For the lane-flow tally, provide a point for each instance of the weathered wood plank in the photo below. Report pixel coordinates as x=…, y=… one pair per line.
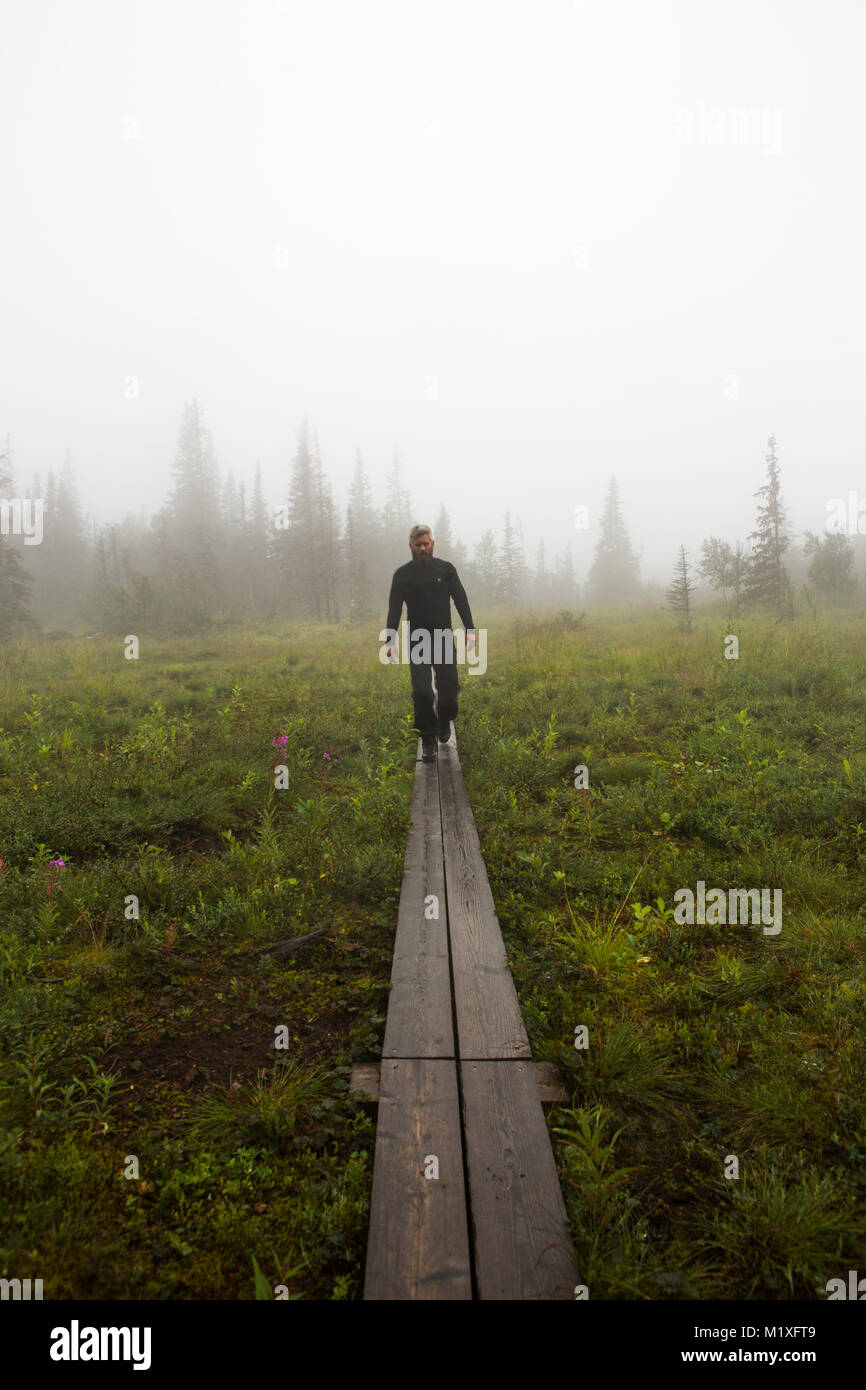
x=364, y=1081
x=418, y=1246
x=419, y=1022
x=489, y=1023
x=551, y=1089
x=519, y=1227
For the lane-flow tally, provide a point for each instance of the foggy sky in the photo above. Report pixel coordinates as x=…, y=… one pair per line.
x=528, y=244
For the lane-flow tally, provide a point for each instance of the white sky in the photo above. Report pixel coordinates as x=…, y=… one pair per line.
x=317, y=208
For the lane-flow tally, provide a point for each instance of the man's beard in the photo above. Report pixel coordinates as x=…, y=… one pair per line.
x=423, y=559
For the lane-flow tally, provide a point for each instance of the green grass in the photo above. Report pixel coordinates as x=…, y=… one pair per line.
x=141, y=1009
x=704, y=1041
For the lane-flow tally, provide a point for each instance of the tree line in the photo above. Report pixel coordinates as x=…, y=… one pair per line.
x=216, y=552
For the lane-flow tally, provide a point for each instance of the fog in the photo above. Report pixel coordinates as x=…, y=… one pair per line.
x=528, y=246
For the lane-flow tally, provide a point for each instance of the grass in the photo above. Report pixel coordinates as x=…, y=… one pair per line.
x=704, y=1042
x=146, y=951
x=141, y=1006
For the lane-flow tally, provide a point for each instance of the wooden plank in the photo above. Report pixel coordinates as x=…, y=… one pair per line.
x=364, y=1082
x=489, y=1023
x=520, y=1239
x=420, y=1018
x=418, y=1245
x=551, y=1090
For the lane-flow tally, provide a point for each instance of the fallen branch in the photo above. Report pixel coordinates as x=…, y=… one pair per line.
x=284, y=948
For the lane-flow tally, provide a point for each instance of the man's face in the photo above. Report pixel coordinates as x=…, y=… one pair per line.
x=422, y=549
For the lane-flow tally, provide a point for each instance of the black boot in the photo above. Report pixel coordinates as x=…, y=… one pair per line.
x=444, y=730
x=428, y=748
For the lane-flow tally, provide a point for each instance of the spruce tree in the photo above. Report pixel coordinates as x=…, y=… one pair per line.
x=397, y=511
x=484, y=572
x=190, y=528
x=564, y=586
x=442, y=535
x=459, y=557
x=325, y=544
x=61, y=563
x=296, y=542
x=679, y=596
x=15, y=584
x=511, y=569
x=261, y=547
x=361, y=547
x=767, y=581
x=541, y=578
x=614, y=572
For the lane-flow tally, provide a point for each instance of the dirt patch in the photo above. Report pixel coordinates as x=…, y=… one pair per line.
x=219, y=1056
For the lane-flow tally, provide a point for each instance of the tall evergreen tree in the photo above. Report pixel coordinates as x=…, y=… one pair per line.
x=767, y=581
x=325, y=544
x=361, y=546
x=229, y=503
x=191, y=529
x=564, y=586
x=297, y=540
x=679, y=595
x=261, y=548
x=60, y=565
x=459, y=556
x=14, y=582
x=484, y=573
x=511, y=568
x=613, y=575
x=397, y=511
x=541, y=577
x=442, y=535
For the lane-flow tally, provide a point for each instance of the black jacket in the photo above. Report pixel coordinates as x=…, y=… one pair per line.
x=427, y=591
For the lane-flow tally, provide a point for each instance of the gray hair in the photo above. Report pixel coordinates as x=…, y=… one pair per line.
x=420, y=531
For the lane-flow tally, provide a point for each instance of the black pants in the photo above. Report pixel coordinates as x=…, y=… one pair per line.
x=447, y=686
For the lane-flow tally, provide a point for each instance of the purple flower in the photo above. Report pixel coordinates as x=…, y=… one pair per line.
x=280, y=741
x=56, y=864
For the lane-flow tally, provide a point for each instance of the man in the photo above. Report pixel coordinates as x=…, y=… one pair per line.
x=427, y=586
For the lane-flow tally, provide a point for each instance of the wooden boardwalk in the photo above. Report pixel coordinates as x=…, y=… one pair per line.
x=466, y=1202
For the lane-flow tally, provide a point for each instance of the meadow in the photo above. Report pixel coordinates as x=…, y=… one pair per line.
x=192, y=957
